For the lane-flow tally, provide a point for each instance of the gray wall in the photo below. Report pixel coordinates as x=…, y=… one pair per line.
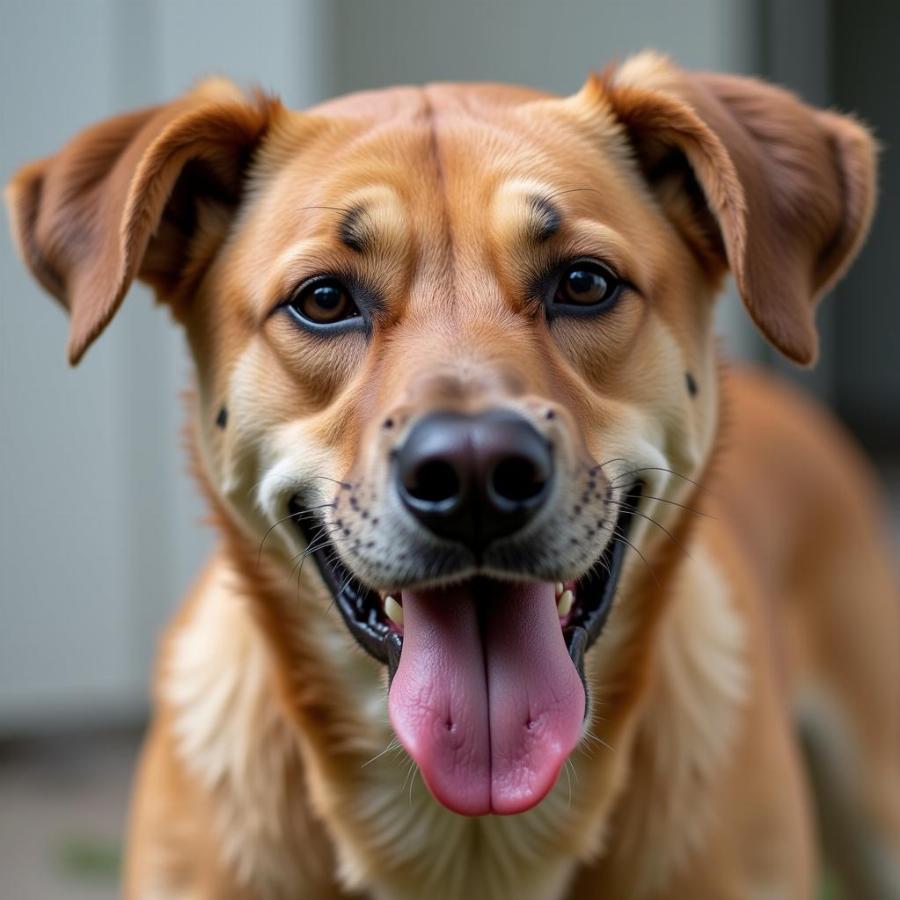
x=100, y=528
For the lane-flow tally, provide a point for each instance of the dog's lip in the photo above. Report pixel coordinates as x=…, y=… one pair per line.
x=362, y=608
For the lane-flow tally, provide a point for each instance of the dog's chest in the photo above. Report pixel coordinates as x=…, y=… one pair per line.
x=405, y=845
x=390, y=838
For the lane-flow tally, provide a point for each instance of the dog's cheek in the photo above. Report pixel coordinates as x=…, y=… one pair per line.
x=312, y=369
x=600, y=347
x=686, y=416
x=235, y=422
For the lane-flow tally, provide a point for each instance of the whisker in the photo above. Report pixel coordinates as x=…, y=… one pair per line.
x=597, y=740
x=574, y=190
x=347, y=581
x=622, y=475
x=619, y=477
x=689, y=509
x=268, y=531
x=341, y=209
x=410, y=775
x=321, y=538
x=599, y=466
x=635, y=512
x=298, y=482
x=619, y=536
x=296, y=516
x=393, y=744
x=316, y=544
x=311, y=515
x=343, y=484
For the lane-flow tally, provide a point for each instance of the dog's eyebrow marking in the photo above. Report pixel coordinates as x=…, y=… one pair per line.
x=545, y=218
x=354, y=231
x=222, y=417
x=692, y=387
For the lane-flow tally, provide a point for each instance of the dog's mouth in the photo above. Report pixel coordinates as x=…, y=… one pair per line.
x=487, y=689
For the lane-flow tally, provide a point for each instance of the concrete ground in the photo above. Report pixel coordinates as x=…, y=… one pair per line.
x=63, y=804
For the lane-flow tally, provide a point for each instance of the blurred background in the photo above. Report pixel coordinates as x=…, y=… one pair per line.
x=101, y=527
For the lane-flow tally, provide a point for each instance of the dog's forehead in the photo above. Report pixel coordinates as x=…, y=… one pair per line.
x=400, y=159
x=426, y=194
x=410, y=102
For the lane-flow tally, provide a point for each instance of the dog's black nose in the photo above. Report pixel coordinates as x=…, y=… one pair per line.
x=474, y=478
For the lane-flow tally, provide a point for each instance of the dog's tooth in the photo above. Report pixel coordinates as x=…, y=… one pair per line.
x=560, y=587
x=564, y=604
x=393, y=610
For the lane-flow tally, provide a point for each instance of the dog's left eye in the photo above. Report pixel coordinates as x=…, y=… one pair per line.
x=325, y=301
x=587, y=284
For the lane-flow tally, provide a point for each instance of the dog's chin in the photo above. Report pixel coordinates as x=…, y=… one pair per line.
x=487, y=690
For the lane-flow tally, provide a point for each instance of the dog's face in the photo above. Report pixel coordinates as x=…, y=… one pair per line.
x=457, y=342
x=454, y=370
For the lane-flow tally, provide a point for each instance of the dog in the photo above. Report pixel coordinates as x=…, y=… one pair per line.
x=520, y=590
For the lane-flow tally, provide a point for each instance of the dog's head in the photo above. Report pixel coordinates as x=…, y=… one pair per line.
x=458, y=340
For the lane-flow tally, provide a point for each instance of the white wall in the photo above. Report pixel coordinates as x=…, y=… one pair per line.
x=99, y=525
x=100, y=532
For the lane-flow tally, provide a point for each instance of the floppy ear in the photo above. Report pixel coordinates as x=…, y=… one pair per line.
x=139, y=195
x=781, y=192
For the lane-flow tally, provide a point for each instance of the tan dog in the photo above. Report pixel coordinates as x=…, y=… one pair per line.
x=454, y=344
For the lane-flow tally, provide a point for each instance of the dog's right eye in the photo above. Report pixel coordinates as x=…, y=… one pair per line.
x=588, y=285
x=323, y=302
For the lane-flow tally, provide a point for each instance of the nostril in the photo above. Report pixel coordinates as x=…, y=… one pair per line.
x=433, y=481
x=517, y=479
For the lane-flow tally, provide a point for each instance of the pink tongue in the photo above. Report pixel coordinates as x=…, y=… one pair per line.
x=486, y=699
